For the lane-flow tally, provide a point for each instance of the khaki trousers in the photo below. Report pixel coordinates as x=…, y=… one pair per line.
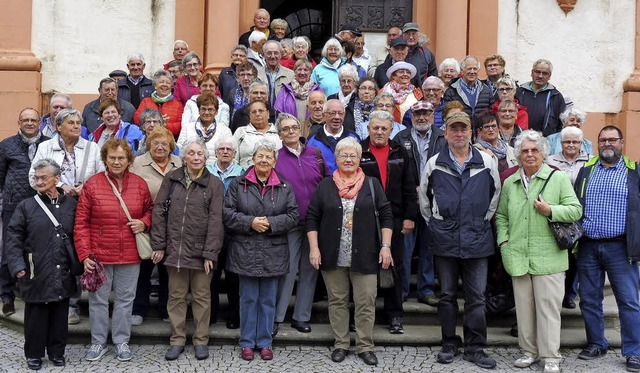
x=365, y=288
x=179, y=282
x=538, y=302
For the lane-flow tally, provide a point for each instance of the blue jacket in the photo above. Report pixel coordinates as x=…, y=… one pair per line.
x=130, y=132
x=327, y=146
x=437, y=117
x=236, y=170
x=458, y=208
x=327, y=76
x=632, y=230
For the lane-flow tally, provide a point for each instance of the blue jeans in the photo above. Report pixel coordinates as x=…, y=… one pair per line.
x=474, y=283
x=257, y=310
x=418, y=238
x=594, y=259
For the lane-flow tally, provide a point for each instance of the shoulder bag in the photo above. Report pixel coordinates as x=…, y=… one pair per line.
x=385, y=276
x=566, y=234
x=143, y=240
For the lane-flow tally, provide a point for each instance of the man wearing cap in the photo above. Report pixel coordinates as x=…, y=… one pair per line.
x=117, y=75
x=397, y=52
x=422, y=58
x=261, y=21
x=348, y=34
x=107, y=88
x=458, y=195
x=383, y=51
x=469, y=90
x=432, y=91
x=422, y=141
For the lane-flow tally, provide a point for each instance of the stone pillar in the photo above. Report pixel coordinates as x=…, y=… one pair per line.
x=247, y=10
x=451, y=30
x=424, y=14
x=20, y=79
x=190, y=24
x=221, y=33
x=629, y=117
x=483, y=31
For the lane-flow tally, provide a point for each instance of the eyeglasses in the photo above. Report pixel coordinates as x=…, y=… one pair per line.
x=261, y=157
x=28, y=120
x=223, y=150
x=158, y=144
x=490, y=127
x=422, y=113
x=493, y=65
x=348, y=156
x=571, y=142
x=192, y=65
x=505, y=89
x=611, y=141
x=530, y=151
x=385, y=106
x=347, y=81
x=541, y=73
x=152, y=121
x=290, y=129
x=245, y=75
x=431, y=90
x=44, y=178
x=509, y=111
x=335, y=113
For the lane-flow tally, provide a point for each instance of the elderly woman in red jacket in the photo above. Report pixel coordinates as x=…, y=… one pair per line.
x=102, y=229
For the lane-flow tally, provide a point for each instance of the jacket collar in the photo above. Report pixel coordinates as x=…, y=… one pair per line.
x=543, y=173
x=476, y=160
x=178, y=175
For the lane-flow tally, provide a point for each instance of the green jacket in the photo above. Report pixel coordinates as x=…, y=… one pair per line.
x=531, y=247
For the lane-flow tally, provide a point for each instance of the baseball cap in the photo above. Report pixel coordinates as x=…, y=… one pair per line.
x=410, y=26
x=458, y=118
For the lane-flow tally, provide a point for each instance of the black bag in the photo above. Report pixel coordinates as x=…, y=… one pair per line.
x=566, y=234
x=386, y=277
x=499, y=295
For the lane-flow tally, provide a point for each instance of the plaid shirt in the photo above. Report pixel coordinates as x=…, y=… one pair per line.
x=605, y=207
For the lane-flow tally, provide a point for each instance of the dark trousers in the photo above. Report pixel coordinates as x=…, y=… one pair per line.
x=393, y=296
x=474, y=283
x=571, y=279
x=232, y=288
x=45, y=326
x=7, y=283
x=143, y=289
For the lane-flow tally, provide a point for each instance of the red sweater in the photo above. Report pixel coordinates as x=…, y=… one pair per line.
x=173, y=109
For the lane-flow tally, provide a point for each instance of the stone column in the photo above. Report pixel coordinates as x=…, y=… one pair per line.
x=190, y=24
x=20, y=79
x=451, y=31
x=221, y=33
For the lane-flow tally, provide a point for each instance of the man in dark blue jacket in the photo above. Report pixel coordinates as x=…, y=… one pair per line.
x=543, y=101
x=458, y=196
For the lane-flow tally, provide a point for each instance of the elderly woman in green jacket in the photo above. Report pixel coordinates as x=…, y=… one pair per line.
x=529, y=250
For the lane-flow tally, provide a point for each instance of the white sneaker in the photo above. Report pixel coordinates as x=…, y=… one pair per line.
x=136, y=320
x=551, y=368
x=96, y=352
x=73, y=318
x=525, y=361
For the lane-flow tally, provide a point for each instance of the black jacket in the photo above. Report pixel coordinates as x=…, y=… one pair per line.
x=424, y=61
x=349, y=120
x=91, y=117
x=325, y=217
x=14, y=172
x=437, y=142
x=484, y=101
x=244, y=38
x=145, y=85
x=227, y=81
x=401, y=178
x=33, y=245
x=380, y=76
x=544, y=107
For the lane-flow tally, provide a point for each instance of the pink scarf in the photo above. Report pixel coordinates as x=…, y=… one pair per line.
x=348, y=189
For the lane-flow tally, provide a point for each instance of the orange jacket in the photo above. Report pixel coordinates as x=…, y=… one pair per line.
x=173, y=109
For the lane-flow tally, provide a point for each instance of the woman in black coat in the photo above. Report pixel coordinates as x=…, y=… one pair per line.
x=40, y=259
x=341, y=223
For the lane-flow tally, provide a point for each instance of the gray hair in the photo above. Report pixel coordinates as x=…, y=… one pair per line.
x=433, y=80
x=581, y=115
x=301, y=40
x=177, y=63
x=239, y=47
x=506, y=80
x=272, y=42
x=62, y=95
x=505, y=103
x=180, y=42
x=183, y=150
x=102, y=82
x=159, y=74
x=348, y=71
x=225, y=140
x=285, y=116
x=256, y=37
x=381, y=115
x=571, y=131
x=279, y=22
x=189, y=57
x=66, y=113
x=286, y=43
x=534, y=136
x=449, y=62
x=150, y=113
x=135, y=56
x=544, y=62
x=348, y=143
x=383, y=96
x=265, y=144
x=464, y=62
x=333, y=42
x=258, y=83
x=48, y=162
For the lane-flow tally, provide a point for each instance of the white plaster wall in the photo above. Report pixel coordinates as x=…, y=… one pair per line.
x=591, y=48
x=80, y=41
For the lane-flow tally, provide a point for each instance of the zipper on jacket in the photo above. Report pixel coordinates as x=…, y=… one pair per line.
x=184, y=212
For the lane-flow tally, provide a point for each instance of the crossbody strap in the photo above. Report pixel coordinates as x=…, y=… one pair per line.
x=53, y=219
x=375, y=209
x=547, y=181
x=83, y=168
x=117, y=193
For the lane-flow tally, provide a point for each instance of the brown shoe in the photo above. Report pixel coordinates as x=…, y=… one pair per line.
x=431, y=300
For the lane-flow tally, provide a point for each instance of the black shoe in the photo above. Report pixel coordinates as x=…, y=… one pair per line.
x=368, y=357
x=568, y=304
x=514, y=330
x=446, y=355
x=301, y=326
x=339, y=354
x=201, y=352
x=9, y=308
x=274, y=332
x=633, y=364
x=58, y=361
x=34, y=363
x=173, y=352
x=591, y=352
x=232, y=324
x=480, y=359
x=395, y=326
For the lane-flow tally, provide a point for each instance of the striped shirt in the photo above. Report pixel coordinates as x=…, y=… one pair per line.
x=605, y=206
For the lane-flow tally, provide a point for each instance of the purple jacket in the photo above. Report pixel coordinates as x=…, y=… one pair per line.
x=286, y=100
x=304, y=174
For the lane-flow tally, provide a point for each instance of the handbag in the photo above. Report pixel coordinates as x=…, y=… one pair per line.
x=143, y=240
x=92, y=281
x=566, y=234
x=75, y=267
x=386, y=277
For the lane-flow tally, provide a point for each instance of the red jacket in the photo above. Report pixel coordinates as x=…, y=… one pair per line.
x=101, y=224
x=522, y=120
x=183, y=89
x=173, y=109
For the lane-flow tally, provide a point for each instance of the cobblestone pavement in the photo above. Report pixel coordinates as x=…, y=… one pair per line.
x=226, y=358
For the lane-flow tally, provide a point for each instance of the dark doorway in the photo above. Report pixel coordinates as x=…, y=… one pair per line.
x=304, y=19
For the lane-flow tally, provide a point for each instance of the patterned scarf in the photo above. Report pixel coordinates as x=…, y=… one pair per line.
x=361, y=111
x=348, y=189
x=32, y=143
x=345, y=99
x=68, y=166
x=399, y=92
x=161, y=100
x=500, y=151
x=239, y=100
x=205, y=137
x=301, y=91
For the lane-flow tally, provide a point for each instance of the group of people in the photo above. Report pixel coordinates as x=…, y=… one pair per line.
x=282, y=167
